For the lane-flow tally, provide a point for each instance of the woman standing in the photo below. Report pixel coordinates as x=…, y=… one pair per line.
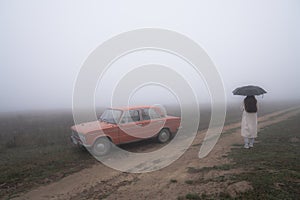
x=249, y=121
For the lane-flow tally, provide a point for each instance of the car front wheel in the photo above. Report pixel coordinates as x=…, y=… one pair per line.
x=101, y=147
x=164, y=136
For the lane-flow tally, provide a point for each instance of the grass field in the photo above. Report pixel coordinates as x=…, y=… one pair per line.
x=35, y=147
x=272, y=167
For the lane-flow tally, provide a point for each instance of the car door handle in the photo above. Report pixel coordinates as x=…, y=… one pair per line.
x=140, y=124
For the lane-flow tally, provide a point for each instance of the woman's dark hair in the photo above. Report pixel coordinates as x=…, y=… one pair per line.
x=250, y=104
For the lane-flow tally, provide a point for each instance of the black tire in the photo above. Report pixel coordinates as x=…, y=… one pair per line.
x=164, y=136
x=101, y=147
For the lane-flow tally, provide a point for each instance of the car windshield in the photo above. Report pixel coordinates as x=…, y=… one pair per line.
x=111, y=116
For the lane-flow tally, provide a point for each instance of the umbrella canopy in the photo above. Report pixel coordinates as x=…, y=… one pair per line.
x=249, y=90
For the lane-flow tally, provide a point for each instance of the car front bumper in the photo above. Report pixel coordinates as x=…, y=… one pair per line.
x=76, y=141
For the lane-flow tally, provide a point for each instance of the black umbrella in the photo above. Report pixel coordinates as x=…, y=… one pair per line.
x=249, y=90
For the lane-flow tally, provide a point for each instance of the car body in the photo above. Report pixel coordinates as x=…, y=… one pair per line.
x=125, y=125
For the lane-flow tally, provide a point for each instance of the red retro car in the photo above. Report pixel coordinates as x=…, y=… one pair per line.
x=124, y=125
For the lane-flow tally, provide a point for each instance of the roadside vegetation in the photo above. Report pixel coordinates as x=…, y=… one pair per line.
x=271, y=170
x=35, y=149
x=273, y=165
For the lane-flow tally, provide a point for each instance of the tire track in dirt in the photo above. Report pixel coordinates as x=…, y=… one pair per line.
x=100, y=181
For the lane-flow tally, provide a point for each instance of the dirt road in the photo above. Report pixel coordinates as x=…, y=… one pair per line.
x=100, y=181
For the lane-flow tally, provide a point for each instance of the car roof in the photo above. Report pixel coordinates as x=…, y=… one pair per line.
x=132, y=107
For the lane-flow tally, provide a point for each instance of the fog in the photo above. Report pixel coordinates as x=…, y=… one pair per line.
x=43, y=45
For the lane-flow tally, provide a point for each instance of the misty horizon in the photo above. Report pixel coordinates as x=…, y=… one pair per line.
x=250, y=43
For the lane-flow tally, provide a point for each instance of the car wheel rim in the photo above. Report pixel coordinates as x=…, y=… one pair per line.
x=164, y=136
x=100, y=148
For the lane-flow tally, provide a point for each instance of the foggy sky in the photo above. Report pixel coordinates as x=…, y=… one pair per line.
x=43, y=44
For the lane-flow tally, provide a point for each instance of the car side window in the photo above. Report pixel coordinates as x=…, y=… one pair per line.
x=130, y=116
x=153, y=114
x=135, y=115
x=150, y=113
x=145, y=114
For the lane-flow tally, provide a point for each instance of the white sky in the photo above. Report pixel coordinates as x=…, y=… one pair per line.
x=44, y=43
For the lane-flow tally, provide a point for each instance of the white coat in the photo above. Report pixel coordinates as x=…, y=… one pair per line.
x=249, y=125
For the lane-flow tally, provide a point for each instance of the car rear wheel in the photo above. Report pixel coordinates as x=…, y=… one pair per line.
x=101, y=147
x=164, y=136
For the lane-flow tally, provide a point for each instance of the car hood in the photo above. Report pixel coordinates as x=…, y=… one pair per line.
x=94, y=126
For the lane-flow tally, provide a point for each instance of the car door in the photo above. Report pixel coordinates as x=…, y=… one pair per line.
x=129, y=126
x=151, y=122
